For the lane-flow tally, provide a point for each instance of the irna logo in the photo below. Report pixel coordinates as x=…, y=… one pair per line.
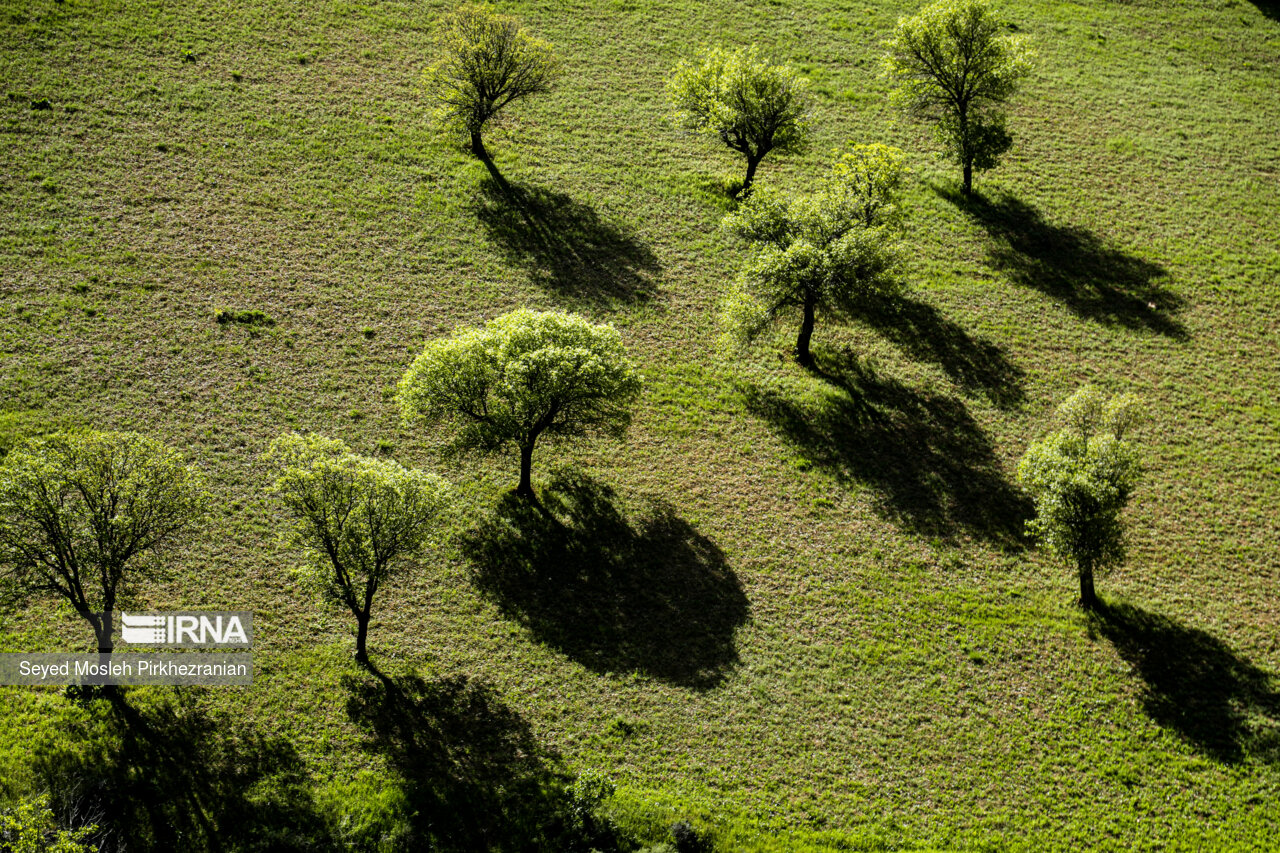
x=188, y=629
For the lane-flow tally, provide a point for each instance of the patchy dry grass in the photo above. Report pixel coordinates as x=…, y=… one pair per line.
x=864, y=652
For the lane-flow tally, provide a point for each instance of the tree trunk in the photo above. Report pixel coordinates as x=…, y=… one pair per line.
x=525, y=489
x=803, y=356
x=1088, y=598
x=102, y=632
x=477, y=146
x=752, y=163
x=362, y=633
x=966, y=151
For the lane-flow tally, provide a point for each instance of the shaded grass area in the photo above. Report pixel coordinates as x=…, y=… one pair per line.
x=580, y=258
x=1196, y=685
x=173, y=775
x=975, y=364
x=930, y=465
x=464, y=772
x=616, y=593
x=473, y=775
x=1074, y=266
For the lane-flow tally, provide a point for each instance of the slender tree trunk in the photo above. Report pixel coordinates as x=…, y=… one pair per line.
x=1088, y=598
x=102, y=632
x=752, y=163
x=803, y=355
x=525, y=489
x=968, y=175
x=477, y=146
x=966, y=151
x=362, y=634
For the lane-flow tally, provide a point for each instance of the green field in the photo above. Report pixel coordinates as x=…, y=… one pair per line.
x=798, y=612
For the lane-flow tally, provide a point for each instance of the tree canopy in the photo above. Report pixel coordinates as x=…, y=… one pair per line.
x=360, y=519
x=521, y=376
x=752, y=105
x=956, y=65
x=820, y=252
x=83, y=516
x=1080, y=478
x=485, y=62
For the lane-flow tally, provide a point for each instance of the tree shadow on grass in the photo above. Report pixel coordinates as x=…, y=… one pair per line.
x=172, y=776
x=617, y=594
x=475, y=776
x=931, y=466
x=1196, y=685
x=566, y=246
x=1270, y=8
x=1074, y=266
x=922, y=332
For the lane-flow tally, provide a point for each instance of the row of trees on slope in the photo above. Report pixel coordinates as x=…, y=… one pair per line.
x=953, y=64
x=86, y=516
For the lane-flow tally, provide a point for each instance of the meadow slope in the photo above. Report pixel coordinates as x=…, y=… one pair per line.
x=802, y=610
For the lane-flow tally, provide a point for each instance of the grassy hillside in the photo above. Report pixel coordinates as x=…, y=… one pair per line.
x=793, y=611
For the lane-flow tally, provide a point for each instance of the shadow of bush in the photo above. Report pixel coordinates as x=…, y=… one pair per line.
x=173, y=776
x=474, y=775
x=931, y=466
x=617, y=594
x=565, y=245
x=1195, y=685
x=1074, y=266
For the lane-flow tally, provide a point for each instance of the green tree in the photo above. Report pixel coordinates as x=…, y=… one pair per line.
x=1080, y=478
x=486, y=61
x=359, y=519
x=956, y=66
x=821, y=252
x=523, y=375
x=753, y=106
x=31, y=827
x=84, y=516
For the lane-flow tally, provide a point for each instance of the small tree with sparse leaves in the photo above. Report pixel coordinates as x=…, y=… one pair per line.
x=522, y=376
x=361, y=520
x=751, y=104
x=1080, y=478
x=486, y=61
x=824, y=252
x=956, y=65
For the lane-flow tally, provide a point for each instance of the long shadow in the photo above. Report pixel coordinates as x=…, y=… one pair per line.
x=1074, y=266
x=564, y=243
x=1270, y=8
x=475, y=776
x=930, y=465
x=175, y=777
x=617, y=594
x=1196, y=685
x=923, y=333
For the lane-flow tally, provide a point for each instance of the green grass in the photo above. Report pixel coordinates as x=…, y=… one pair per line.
x=849, y=646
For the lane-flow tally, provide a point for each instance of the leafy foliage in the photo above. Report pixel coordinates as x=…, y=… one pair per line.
x=487, y=61
x=523, y=375
x=955, y=66
x=30, y=827
x=824, y=251
x=1080, y=478
x=359, y=518
x=752, y=105
x=83, y=515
